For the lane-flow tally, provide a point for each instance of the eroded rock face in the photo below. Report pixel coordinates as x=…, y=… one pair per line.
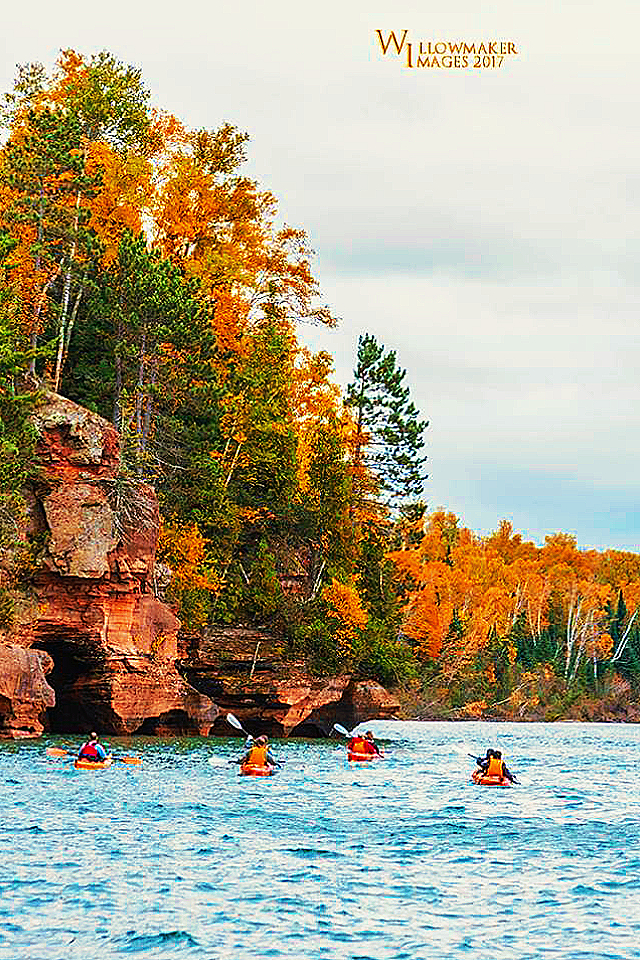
x=94, y=617
x=82, y=530
x=243, y=670
x=25, y=694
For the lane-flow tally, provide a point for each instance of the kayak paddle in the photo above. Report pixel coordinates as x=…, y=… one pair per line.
x=59, y=752
x=236, y=723
x=341, y=729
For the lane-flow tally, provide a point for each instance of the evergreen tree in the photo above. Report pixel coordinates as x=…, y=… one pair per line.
x=329, y=491
x=265, y=594
x=389, y=435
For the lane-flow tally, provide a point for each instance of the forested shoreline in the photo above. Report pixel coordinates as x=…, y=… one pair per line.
x=144, y=277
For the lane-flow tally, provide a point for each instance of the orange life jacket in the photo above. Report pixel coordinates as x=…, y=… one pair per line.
x=356, y=745
x=257, y=757
x=495, y=768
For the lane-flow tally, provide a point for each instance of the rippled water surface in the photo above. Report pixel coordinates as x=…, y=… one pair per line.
x=181, y=858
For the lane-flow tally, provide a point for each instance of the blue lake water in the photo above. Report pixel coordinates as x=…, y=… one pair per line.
x=401, y=860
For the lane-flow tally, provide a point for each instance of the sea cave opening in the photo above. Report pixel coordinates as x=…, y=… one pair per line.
x=75, y=709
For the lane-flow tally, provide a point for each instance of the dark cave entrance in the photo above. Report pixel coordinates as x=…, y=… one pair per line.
x=173, y=723
x=75, y=710
x=311, y=731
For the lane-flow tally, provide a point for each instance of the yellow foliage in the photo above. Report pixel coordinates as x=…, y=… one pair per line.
x=182, y=547
x=474, y=709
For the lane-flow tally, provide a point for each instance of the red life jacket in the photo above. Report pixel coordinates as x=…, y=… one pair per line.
x=89, y=750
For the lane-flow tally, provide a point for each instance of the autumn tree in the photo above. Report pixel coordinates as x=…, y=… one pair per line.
x=61, y=128
x=145, y=276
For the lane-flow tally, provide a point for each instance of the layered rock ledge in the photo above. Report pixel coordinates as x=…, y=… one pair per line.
x=243, y=670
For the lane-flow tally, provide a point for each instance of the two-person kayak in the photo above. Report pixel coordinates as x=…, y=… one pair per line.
x=257, y=760
x=486, y=781
x=362, y=748
x=257, y=770
x=492, y=770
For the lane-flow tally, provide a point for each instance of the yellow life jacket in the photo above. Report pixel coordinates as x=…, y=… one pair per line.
x=257, y=757
x=495, y=768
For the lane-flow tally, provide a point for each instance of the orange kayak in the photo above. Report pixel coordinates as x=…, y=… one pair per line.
x=251, y=770
x=478, y=777
x=362, y=757
x=93, y=764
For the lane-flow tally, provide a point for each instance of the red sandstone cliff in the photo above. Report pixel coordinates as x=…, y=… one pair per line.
x=112, y=644
x=94, y=646
x=24, y=691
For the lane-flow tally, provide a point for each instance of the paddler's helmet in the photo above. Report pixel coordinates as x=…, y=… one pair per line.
x=368, y=735
x=262, y=741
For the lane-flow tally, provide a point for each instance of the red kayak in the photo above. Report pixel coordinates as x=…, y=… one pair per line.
x=478, y=777
x=251, y=770
x=363, y=757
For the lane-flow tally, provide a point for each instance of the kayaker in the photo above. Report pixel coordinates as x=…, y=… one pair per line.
x=483, y=762
x=370, y=746
x=496, y=767
x=356, y=744
x=258, y=755
x=92, y=750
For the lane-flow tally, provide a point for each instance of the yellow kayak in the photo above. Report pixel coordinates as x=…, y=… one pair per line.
x=81, y=764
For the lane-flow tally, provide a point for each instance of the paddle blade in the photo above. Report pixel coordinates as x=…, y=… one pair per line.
x=129, y=759
x=57, y=752
x=341, y=729
x=234, y=722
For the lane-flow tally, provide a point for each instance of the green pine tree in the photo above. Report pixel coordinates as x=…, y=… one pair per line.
x=389, y=437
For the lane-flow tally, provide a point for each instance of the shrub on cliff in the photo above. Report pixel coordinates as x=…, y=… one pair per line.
x=264, y=593
x=333, y=642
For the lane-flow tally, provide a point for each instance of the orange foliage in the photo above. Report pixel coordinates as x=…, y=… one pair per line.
x=346, y=607
x=313, y=395
x=428, y=622
x=631, y=595
x=219, y=228
x=125, y=186
x=313, y=399
x=494, y=581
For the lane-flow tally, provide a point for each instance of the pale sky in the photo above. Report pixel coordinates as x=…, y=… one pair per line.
x=482, y=223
